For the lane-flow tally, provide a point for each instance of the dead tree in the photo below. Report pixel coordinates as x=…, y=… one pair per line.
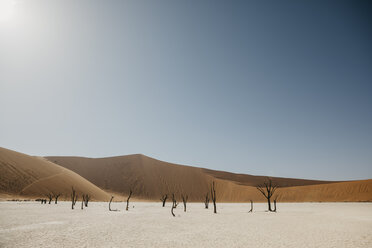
x=73, y=198
x=112, y=197
x=86, y=198
x=275, y=204
x=206, y=202
x=82, y=202
x=56, y=197
x=174, y=204
x=251, y=211
x=213, y=195
x=184, y=200
x=130, y=194
x=163, y=199
x=268, y=189
x=50, y=197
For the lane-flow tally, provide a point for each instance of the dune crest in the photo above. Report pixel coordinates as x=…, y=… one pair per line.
x=30, y=176
x=150, y=178
x=24, y=175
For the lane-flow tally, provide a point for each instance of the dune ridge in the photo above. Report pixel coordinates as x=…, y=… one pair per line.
x=150, y=178
x=29, y=176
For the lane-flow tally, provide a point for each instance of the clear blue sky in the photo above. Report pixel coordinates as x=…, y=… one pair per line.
x=279, y=88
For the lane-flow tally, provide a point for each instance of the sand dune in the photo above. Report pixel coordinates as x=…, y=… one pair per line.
x=149, y=178
x=28, y=176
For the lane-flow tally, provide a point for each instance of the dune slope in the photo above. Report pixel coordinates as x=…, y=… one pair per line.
x=150, y=178
x=24, y=175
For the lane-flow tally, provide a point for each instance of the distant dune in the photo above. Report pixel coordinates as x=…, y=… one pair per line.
x=149, y=178
x=27, y=176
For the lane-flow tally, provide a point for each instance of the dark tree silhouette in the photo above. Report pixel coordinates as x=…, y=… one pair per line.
x=184, y=200
x=163, y=199
x=213, y=195
x=174, y=204
x=50, y=197
x=251, y=211
x=56, y=197
x=206, y=201
x=82, y=201
x=130, y=194
x=73, y=198
x=112, y=197
x=275, y=204
x=268, y=189
x=86, y=199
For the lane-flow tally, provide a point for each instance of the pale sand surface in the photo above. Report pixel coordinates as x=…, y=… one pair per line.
x=30, y=224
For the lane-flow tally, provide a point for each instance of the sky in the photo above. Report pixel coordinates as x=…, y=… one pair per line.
x=278, y=88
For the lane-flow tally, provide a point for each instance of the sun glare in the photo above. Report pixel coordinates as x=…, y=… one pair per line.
x=6, y=10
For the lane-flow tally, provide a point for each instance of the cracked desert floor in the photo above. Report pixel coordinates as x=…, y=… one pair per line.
x=146, y=224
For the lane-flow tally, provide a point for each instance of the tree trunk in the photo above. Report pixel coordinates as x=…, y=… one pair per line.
x=206, y=202
x=172, y=211
x=269, y=204
x=213, y=195
x=110, y=203
x=130, y=194
x=164, y=199
x=174, y=204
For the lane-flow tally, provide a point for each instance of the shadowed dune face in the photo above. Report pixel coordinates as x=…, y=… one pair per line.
x=149, y=178
x=25, y=175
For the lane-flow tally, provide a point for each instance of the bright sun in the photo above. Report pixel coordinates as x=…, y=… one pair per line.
x=6, y=9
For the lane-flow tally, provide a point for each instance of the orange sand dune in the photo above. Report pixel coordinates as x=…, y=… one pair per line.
x=149, y=178
x=29, y=176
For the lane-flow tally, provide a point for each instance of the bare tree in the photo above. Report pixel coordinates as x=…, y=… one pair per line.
x=184, y=200
x=50, y=197
x=130, y=194
x=73, y=198
x=275, y=204
x=82, y=201
x=163, y=199
x=213, y=195
x=112, y=197
x=86, y=199
x=56, y=197
x=174, y=204
x=268, y=189
x=206, y=202
x=251, y=211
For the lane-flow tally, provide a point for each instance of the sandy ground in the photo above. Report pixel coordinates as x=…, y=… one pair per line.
x=30, y=224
